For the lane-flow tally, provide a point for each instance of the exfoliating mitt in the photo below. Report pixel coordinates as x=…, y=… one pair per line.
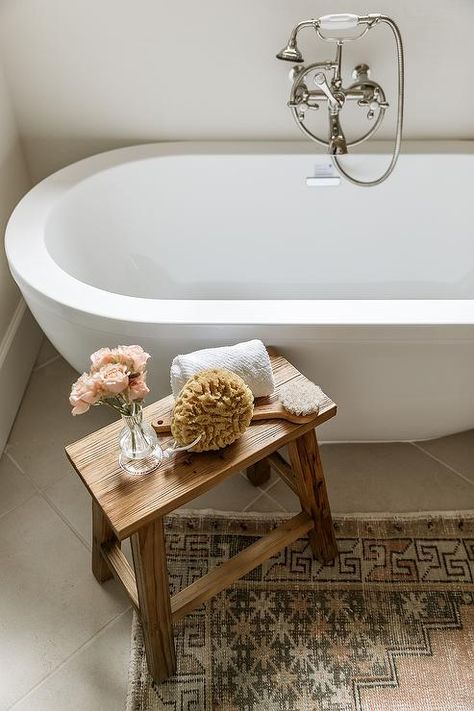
x=215, y=404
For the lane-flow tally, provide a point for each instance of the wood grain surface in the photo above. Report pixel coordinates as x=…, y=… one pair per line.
x=129, y=502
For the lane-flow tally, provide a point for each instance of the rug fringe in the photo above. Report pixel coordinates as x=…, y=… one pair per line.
x=372, y=516
x=134, y=680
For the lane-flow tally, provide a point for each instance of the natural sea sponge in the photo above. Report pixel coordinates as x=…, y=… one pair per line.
x=215, y=403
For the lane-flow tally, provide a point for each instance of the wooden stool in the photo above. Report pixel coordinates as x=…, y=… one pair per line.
x=125, y=506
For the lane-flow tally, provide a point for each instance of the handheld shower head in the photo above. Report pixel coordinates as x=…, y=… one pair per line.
x=290, y=53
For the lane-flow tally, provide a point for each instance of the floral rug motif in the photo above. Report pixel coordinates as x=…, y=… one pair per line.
x=388, y=626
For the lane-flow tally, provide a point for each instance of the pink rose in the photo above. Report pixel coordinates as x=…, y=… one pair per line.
x=85, y=392
x=114, y=378
x=102, y=357
x=138, y=388
x=132, y=356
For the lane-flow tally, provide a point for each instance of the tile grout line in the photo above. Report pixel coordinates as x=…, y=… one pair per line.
x=18, y=506
x=42, y=493
x=262, y=491
x=270, y=486
x=257, y=488
x=440, y=461
x=283, y=508
x=77, y=651
x=273, y=484
x=251, y=503
x=46, y=363
x=65, y=520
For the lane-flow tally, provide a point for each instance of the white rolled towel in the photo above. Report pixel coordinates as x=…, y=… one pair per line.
x=250, y=360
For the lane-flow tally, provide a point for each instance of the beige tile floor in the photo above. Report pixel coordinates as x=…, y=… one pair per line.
x=64, y=639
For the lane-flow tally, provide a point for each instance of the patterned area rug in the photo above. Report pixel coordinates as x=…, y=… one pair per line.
x=389, y=626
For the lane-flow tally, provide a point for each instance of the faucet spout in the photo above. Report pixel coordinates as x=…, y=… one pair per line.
x=337, y=140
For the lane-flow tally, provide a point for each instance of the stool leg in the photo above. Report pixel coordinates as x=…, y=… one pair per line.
x=259, y=473
x=149, y=560
x=308, y=470
x=101, y=533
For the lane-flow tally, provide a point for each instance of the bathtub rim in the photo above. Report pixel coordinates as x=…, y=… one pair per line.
x=34, y=269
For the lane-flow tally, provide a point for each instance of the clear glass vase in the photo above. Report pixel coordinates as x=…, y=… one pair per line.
x=140, y=452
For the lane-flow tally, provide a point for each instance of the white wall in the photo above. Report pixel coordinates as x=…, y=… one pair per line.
x=13, y=183
x=19, y=334
x=89, y=75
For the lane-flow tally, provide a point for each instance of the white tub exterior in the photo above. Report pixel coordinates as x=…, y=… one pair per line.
x=370, y=292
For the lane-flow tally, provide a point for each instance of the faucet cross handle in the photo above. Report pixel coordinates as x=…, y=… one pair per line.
x=374, y=106
x=302, y=101
x=374, y=101
x=336, y=101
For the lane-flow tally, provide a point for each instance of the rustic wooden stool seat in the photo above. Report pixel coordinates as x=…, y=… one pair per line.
x=126, y=506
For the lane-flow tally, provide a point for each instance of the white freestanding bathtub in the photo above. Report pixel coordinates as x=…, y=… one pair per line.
x=188, y=245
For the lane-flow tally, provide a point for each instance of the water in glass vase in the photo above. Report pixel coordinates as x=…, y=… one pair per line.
x=140, y=452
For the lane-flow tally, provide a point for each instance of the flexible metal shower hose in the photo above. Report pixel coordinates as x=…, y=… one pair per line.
x=398, y=138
